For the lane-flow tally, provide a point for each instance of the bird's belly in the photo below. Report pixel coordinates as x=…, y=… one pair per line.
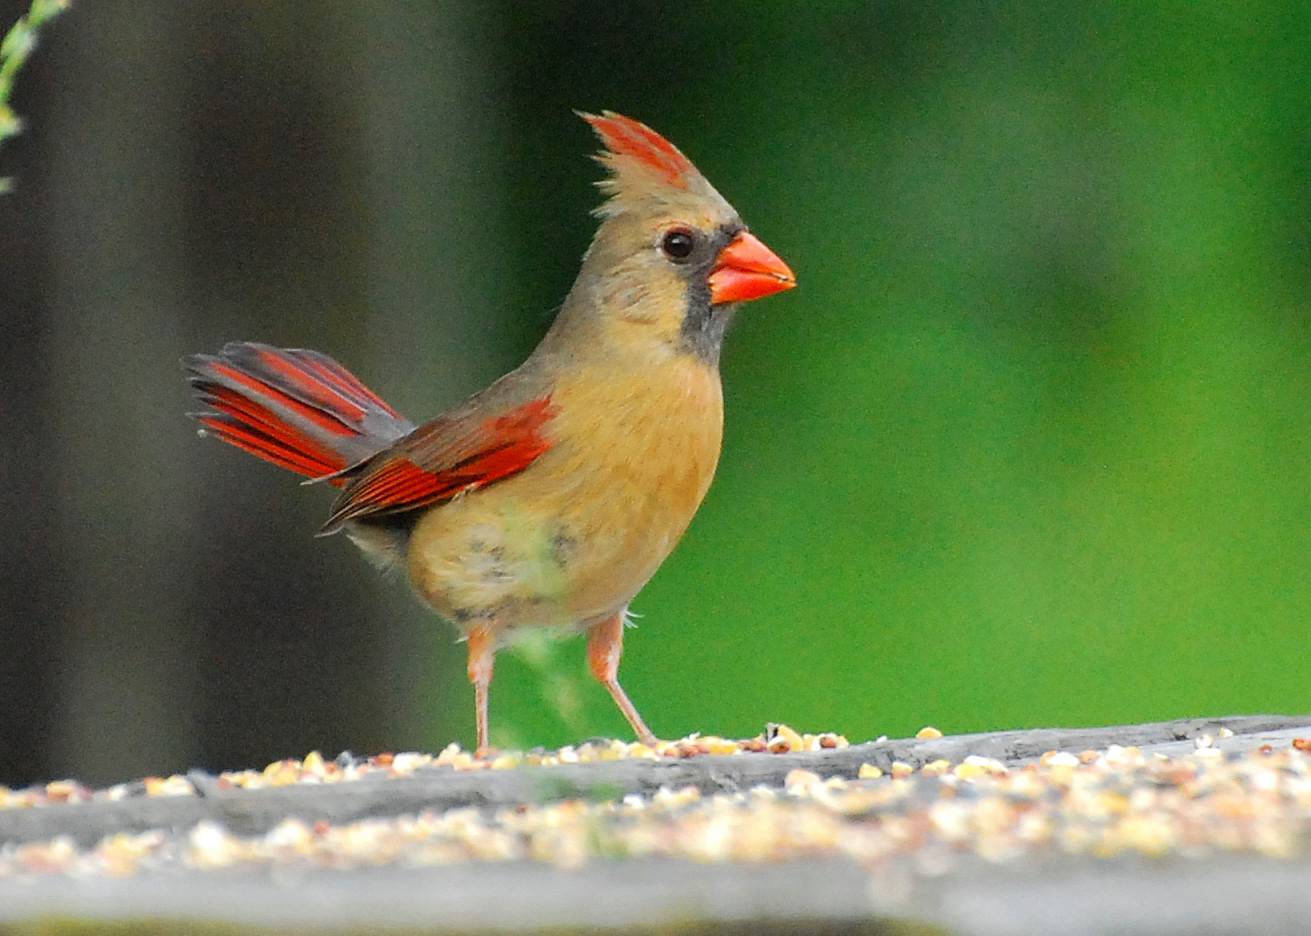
x=510, y=562
x=571, y=539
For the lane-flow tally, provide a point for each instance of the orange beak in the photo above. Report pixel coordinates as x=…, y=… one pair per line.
x=747, y=270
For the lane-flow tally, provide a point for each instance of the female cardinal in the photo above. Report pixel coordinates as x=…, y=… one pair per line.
x=551, y=497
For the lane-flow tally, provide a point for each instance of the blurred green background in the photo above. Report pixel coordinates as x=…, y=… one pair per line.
x=1030, y=444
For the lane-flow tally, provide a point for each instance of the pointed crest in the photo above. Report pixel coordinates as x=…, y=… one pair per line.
x=640, y=161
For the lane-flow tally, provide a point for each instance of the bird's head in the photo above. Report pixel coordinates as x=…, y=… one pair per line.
x=671, y=259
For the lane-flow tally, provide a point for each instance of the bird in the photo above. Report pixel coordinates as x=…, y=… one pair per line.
x=551, y=497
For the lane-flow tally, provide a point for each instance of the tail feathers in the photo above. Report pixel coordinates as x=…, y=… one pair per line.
x=298, y=409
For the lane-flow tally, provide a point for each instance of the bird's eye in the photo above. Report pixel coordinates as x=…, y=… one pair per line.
x=677, y=244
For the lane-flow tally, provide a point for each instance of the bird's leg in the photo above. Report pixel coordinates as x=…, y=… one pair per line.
x=605, y=643
x=482, y=655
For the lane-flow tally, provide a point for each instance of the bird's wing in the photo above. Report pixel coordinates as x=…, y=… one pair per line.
x=462, y=451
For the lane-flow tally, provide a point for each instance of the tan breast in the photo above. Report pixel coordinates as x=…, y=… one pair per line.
x=578, y=533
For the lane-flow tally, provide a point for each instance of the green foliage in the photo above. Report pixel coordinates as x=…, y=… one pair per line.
x=1030, y=442
x=557, y=676
x=15, y=48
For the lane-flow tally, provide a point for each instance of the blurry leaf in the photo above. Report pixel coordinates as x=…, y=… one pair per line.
x=16, y=46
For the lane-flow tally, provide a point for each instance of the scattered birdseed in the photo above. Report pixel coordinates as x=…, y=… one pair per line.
x=314, y=768
x=975, y=766
x=1120, y=802
x=801, y=782
x=928, y=733
x=175, y=785
x=936, y=768
x=780, y=739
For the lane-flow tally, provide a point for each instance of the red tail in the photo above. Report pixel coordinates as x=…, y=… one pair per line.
x=298, y=409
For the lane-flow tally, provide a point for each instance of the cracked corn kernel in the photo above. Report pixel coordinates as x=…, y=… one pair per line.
x=900, y=769
x=53, y=857
x=935, y=768
x=776, y=732
x=64, y=791
x=175, y=785
x=928, y=733
x=716, y=745
x=291, y=837
x=800, y=781
x=210, y=846
x=282, y=773
x=121, y=854
x=408, y=762
x=969, y=771
x=669, y=798
x=974, y=766
x=593, y=752
x=869, y=772
x=989, y=764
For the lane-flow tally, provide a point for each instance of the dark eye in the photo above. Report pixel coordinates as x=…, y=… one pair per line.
x=678, y=244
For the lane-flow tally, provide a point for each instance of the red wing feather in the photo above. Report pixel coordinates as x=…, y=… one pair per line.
x=282, y=397
x=259, y=418
x=258, y=443
x=443, y=459
x=300, y=410
x=347, y=385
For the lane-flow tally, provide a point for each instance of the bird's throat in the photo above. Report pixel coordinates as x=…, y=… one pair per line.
x=704, y=325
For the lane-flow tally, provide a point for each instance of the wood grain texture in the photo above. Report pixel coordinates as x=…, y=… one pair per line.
x=256, y=811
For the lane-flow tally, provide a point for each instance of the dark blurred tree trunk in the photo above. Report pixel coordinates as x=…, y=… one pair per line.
x=296, y=174
x=125, y=691
x=32, y=567
x=435, y=256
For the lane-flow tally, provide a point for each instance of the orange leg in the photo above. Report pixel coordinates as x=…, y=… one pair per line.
x=482, y=656
x=605, y=644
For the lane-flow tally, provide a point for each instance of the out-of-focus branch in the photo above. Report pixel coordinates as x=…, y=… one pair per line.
x=14, y=51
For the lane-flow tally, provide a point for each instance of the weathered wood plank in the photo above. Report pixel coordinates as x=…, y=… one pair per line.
x=256, y=811
x=1043, y=892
